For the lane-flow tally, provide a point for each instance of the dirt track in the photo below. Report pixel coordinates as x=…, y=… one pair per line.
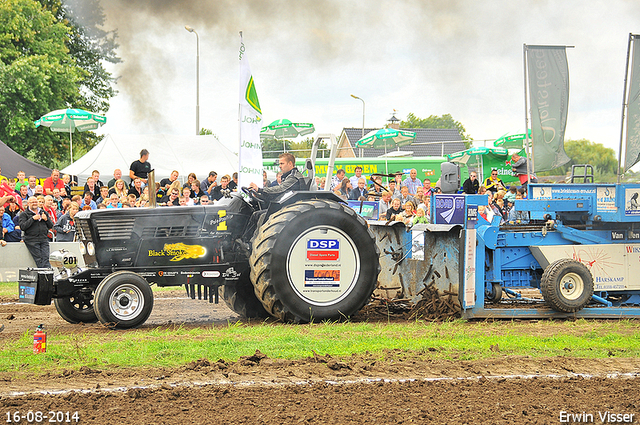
x=404, y=388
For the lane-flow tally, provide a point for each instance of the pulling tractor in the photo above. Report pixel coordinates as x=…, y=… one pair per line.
x=304, y=256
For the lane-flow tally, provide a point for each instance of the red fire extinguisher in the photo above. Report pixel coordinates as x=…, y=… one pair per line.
x=40, y=340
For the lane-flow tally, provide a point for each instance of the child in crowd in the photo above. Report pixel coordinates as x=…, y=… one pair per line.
x=420, y=217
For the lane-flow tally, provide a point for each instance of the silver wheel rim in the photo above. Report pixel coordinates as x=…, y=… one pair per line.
x=571, y=286
x=126, y=302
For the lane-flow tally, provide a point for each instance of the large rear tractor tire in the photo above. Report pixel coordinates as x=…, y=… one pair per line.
x=78, y=308
x=241, y=298
x=314, y=260
x=123, y=300
x=567, y=285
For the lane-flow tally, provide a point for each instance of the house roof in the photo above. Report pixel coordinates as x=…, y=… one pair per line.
x=429, y=142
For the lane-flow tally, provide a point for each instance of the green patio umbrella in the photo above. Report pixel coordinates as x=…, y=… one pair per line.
x=494, y=158
x=285, y=129
x=386, y=138
x=512, y=141
x=70, y=120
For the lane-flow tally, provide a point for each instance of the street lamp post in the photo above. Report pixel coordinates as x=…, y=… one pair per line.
x=356, y=97
x=188, y=28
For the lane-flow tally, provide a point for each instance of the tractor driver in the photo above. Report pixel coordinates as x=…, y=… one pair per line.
x=292, y=179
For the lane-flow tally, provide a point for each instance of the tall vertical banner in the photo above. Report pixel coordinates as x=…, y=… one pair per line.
x=250, y=119
x=632, y=149
x=548, y=73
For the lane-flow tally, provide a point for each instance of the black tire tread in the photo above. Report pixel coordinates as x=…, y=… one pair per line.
x=549, y=288
x=68, y=312
x=119, y=325
x=241, y=299
x=266, y=239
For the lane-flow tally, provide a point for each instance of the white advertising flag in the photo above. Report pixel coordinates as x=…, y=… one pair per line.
x=250, y=119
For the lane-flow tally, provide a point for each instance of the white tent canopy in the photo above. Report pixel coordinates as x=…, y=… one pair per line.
x=186, y=154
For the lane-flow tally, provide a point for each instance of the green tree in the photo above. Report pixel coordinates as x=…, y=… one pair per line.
x=434, y=121
x=271, y=148
x=583, y=151
x=37, y=75
x=51, y=58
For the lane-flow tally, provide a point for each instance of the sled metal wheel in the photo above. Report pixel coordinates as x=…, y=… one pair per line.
x=567, y=285
x=123, y=300
x=495, y=294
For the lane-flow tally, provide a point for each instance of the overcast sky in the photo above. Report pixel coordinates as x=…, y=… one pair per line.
x=428, y=57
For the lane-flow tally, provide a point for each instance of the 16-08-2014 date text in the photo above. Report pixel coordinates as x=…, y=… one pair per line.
x=32, y=416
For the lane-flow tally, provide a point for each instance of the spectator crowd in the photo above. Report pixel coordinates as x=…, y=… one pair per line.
x=55, y=203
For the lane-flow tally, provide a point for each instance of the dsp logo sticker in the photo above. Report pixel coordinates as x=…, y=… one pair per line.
x=323, y=249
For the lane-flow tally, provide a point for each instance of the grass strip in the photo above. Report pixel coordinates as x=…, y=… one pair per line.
x=457, y=340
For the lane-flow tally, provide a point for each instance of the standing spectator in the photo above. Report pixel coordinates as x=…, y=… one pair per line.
x=426, y=184
x=337, y=179
x=57, y=198
x=405, y=196
x=278, y=179
x=117, y=175
x=21, y=180
x=35, y=225
x=33, y=181
x=493, y=183
x=65, y=226
x=88, y=201
x=140, y=168
x=471, y=185
x=7, y=223
x=412, y=181
x=165, y=183
x=519, y=167
x=359, y=191
x=53, y=182
x=385, y=204
x=354, y=179
x=393, y=188
x=66, y=178
x=136, y=188
x=90, y=186
x=209, y=183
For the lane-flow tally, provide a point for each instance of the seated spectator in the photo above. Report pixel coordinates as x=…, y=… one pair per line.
x=38, y=191
x=21, y=180
x=172, y=199
x=65, y=226
x=233, y=183
x=31, y=190
x=51, y=208
x=190, y=179
x=57, y=198
x=385, y=204
x=120, y=188
x=420, y=217
x=359, y=191
x=117, y=175
x=184, y=201
x=405, y=196
x=407, y=214
x=518, y=217
x=186, y=192
x=88, y=201
x=396, y=208
x=204, y=200
x=136, y=188
x=131, y=200
x=104, y=195
x=278, y=179
x=207, y=185
x=343, y=189
x=101, y=206
x=16, y=234
x=222, y=189
x=165, y=183
x=114, y=201
x=143, y=201
x=196, y=191
x=510, y=196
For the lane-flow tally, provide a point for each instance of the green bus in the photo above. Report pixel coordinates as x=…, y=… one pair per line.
x=427, y=167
